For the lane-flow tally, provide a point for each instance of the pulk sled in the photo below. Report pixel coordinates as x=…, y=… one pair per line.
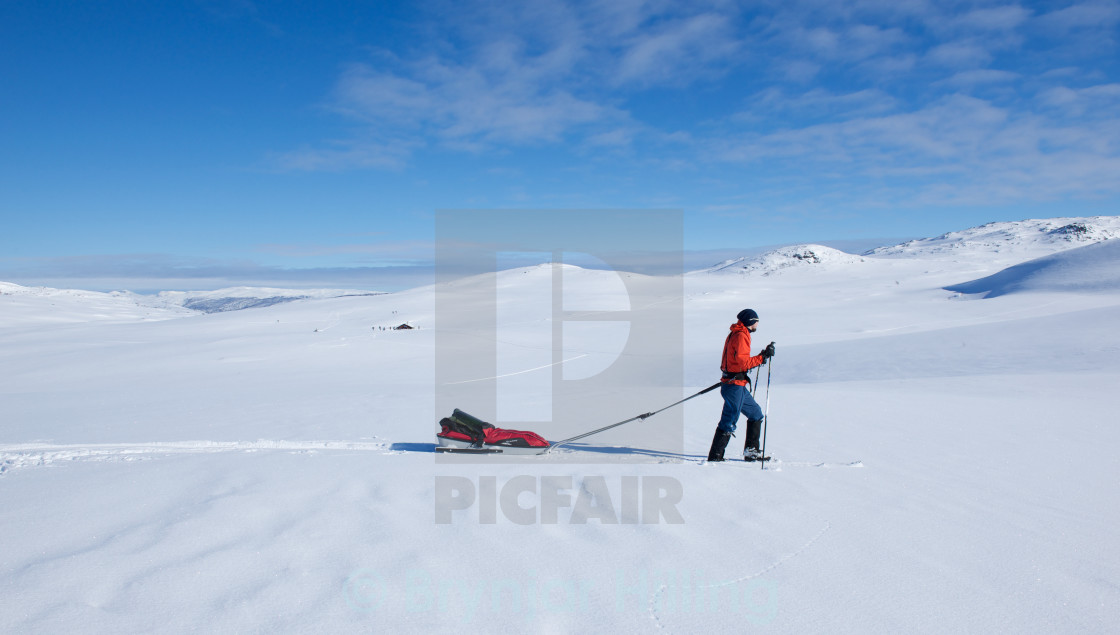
x=466, y=434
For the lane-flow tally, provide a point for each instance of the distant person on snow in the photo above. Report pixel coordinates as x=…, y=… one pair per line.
x=737, y=399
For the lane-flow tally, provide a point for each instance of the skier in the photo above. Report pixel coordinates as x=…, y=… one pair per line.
x=737, y=399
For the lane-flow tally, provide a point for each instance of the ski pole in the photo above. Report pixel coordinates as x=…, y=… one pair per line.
x=766, y=412
x=753, y=391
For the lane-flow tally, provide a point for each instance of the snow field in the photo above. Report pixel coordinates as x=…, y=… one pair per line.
x=943, y=463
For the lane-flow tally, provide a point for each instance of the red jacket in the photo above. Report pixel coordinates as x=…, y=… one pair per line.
x=737, y=354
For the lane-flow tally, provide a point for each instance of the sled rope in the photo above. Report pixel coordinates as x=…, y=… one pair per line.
x=641, y=416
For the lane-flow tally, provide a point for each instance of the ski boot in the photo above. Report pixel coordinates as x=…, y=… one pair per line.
x=751, y=455
x=719, y=444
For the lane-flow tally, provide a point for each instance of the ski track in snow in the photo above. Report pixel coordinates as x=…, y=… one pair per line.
x=778, y=464
x=20, y=455
x=520, y=372
x=653, y=600
x=41, y=454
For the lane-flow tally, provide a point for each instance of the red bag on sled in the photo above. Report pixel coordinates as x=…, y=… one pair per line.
x=462, y=431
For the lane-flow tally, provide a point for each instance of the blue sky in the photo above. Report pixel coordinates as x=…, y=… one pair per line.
x=190, y=144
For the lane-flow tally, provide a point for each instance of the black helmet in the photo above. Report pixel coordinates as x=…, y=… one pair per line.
x=747, y=316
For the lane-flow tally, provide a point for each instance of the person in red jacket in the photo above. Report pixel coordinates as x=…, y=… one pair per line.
x=737, y=399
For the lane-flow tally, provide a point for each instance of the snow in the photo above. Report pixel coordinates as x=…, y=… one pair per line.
x=773, y=262
x=1016, y=239
x=945, y=460
x=39, y=305
x=1089, y=268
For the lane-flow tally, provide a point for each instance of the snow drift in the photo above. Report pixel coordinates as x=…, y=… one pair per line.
x=1093, y=268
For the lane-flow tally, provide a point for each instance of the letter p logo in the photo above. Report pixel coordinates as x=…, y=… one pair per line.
x=546, y=321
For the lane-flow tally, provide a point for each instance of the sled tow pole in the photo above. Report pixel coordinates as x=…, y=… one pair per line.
x=641, y=416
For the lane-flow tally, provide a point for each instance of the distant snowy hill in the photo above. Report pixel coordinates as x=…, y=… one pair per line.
x=43, y=304
x=21, y=305
x=772, y=262
x=988, y=247
x=1091, y=268
x=1027, y=238
x=238, y=298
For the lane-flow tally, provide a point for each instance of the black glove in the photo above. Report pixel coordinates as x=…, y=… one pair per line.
x=769, y=351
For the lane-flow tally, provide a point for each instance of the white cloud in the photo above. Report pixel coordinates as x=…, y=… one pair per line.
x=841, y=43
x=1097, y=15
x=863, y=40
x=677, y=51
x=539, y=73
x=469, y=106
x=819, y=103
x=365, y=93
x=858, y=88
x=1100, y=102
x=1003, y=18
x=376, y=249
x=800, y=71
x=888, y=67
x=959, y=54
x=977, y=77
x=958, y=150
x=346, y=154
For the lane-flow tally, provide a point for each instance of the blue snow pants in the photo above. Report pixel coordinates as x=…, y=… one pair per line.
x=737, y=400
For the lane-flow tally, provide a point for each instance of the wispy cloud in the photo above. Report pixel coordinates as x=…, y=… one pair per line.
x=368, y=253
x=959, y=54
x=820, y=103
x=959, y=150
x=924, y=96
x=1101, y=15
x=346, y=154
x=540, y=74
x=229, y=11
x=147, y=273
x=677, y=51
x=988, y=20
x=979, y=77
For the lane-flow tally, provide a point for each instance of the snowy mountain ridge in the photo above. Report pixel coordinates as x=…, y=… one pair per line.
x=783, y=258
x=20, y=306
x=1003, y=243
x=1030, y=238
x=998, y=244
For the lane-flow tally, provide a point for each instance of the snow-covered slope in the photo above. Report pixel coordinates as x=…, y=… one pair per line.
x=1091, y=268
x=273, y=470
x=21, y=305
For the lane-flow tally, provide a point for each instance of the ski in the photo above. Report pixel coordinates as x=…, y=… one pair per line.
x=736, y=461
x=772, y=463
x=454, y=450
